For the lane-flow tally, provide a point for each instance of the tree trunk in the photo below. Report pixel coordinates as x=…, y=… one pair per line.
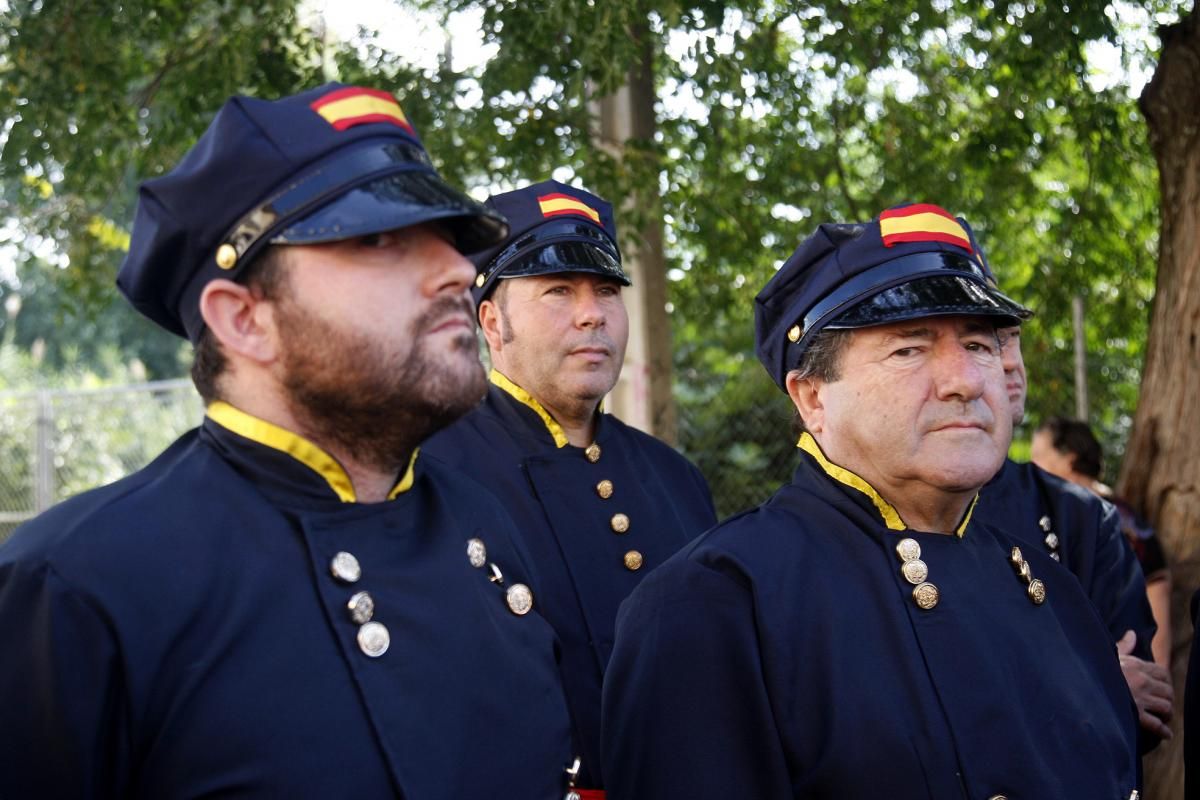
x=644, y=397
x=1161, y=472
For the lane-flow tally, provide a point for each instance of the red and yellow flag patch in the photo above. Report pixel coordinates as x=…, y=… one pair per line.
x=922, y=222
x=354, y=105
x=558, y=204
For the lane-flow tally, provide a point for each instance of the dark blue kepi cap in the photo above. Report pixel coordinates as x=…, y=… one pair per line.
x=329, y=164
x=554, y=228
x=913, y=261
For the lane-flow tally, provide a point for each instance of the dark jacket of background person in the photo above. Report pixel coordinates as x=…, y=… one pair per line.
x=583, y=566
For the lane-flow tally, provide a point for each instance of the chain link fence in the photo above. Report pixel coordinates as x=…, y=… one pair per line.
x=57, y=443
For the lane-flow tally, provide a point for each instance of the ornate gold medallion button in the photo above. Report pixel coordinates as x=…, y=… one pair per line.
x=592, y=451
x=374, y=639
x=794, y=333
x=476, y=552
x=633, y=561
x=620, y=523
x=925, y=595
x=908, y=549
x=1037, y=591
x=915, y=571
x=1016, y=557
x=345, y=567
x=605, y=489
x=519, y=599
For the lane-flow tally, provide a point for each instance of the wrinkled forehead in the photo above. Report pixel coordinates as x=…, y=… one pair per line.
x=930, y=328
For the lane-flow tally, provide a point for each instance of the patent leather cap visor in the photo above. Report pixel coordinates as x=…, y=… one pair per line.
x=566, y=257
x=394, y=201
x=936, y=296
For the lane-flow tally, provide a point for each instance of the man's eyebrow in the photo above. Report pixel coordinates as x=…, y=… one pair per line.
x=979, y=326
x=908, y=333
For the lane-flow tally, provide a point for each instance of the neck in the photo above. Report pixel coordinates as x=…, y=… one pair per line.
x=937, y=511
x=578, y=421
x=371, y=483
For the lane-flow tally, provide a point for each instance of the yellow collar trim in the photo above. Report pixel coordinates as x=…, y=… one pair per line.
x=299, y=448
x=890, y=516
x=842, y=475
x=560, y=436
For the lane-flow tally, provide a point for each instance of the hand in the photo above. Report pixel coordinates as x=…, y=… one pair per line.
x=1150, y=685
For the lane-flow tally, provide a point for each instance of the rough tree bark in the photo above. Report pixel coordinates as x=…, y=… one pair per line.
x=1161, y=471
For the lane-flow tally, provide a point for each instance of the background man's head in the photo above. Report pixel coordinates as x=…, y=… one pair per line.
x=549, y=296
x=884, y=336
x=1068, y=448
x=308, y=241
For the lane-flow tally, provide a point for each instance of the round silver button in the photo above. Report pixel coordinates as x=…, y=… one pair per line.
x=374, y=639
x=361, y=607
x=519, y=598
x=345, y=567
x=476, y=552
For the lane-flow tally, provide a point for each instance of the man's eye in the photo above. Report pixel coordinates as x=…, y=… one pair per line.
x=373, y=240
x=905, y=352
x=980, y=347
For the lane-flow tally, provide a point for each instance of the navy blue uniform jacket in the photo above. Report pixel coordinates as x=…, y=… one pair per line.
x=782, y=655
x=1031, y=504
x=513, y=446
x=180, y=634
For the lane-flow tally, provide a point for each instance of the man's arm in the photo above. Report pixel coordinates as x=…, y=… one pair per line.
x=60, y=703
x=686, y=712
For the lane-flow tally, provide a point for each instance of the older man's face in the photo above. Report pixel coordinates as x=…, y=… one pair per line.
x=919, y=402
x=1014, y=371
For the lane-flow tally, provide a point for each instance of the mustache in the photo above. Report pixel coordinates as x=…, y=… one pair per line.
x=441, y=309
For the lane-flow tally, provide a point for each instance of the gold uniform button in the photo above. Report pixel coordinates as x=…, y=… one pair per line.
x=908, y=549
x=794, y=333
x=592, y=452
x=519, y=599
x=374, y=639
x=620, y=523
x=361, y=607
x=1025, y=572
x=633, y=561
x=345, y=567
x=1044, y=524
x=1052, y=540
x=604, y=489
x=480, y=280
x=1037, y=591
x=1016, y=557
x=226, y=256
x=915, y=571
x=925, y=595
x=997, y=797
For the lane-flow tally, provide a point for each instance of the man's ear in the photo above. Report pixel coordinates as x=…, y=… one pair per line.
x=241, y=320
x=489, y=323
x=806, y=396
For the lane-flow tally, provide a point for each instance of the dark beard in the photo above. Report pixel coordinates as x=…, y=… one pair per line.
x=347, y=392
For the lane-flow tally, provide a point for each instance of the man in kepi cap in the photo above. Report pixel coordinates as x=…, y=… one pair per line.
x=289, y=602
x=596, y=502
x=860, y=634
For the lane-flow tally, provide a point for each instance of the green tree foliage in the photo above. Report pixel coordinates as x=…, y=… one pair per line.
x=771, y=117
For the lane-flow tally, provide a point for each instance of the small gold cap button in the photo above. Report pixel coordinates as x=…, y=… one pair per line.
x=519, y=599
x=592, y=452
x=361, y=607
x=480, y=280
x=620, y=523
x=605, y=489
x=345, y=567
x=794, y=333
x=374, y=639
x=226, y=256
x=915, y=571
x=925, y=595
x=633, y=561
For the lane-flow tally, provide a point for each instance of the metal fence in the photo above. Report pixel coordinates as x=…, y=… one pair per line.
x=56, y=443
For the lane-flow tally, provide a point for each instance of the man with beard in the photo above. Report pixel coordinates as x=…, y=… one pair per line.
x=1083, y=533
x=290, y=602
x=597, y=503
x=862, y=634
